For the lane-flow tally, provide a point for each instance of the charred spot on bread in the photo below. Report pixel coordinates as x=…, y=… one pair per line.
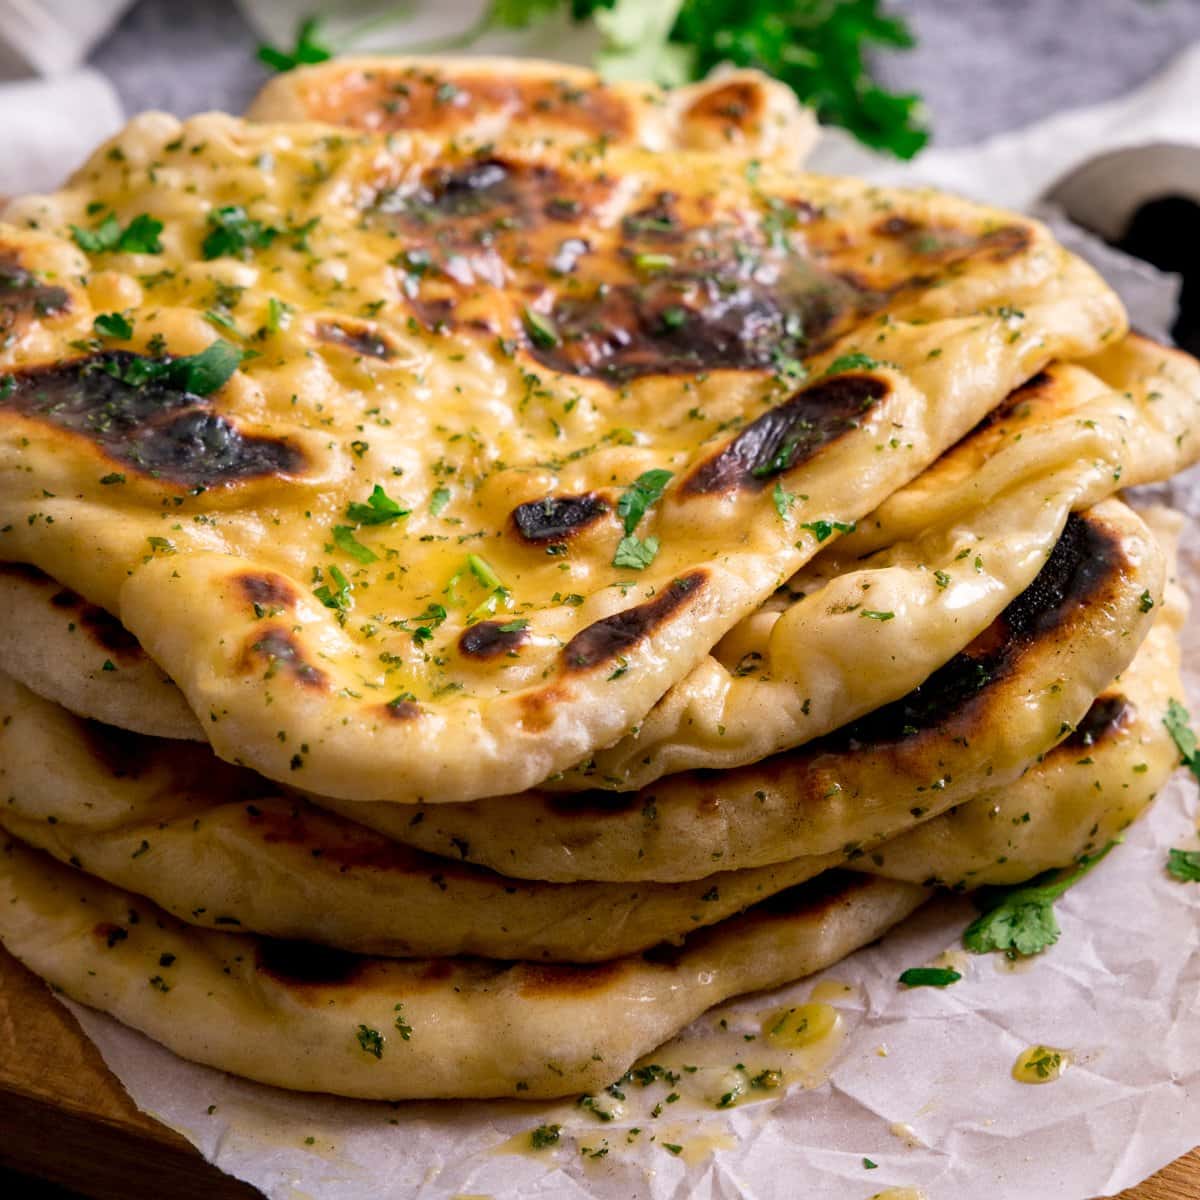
x=23, y=295
x=555, y=518
x=279, y=648
x=602, y=642
x=788, y=435
x=154, y=428
x=491, y=639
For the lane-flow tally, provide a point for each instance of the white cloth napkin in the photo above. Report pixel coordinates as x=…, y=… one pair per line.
x=51, y=125
x=47, y=37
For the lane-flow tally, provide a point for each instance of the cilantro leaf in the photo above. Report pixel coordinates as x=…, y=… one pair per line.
x=113, y=325
x=824, y=530
x=380, y=509
x=634, y=553
x=929, y=977
x=644, y=492
x=308, y=49
x=337, y=597
x=1181, y=733
x=140, y=236
x=1022, y=921
x=232, y=232
x=203, y=373
x=544, y=1136
x=783, y=500
x=1184, y=865
x=850, y=362
x=344, y=539
x=371, y=1040
x=439, y=500
x=541, y=330
x=482, y=570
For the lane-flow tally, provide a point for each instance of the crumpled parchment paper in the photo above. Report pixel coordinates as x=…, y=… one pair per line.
x=939, y=1111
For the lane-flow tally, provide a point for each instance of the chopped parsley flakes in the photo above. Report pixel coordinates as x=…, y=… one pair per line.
x=823, y=530
x=371, y=1041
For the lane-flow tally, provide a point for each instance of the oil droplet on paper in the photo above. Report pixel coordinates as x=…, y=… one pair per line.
x=695, y=1146
x=829, y=990
x=906, y=1133
x=523, y=1144
x=1041, y=1064
x=954, y=960
x=801, y=1025
x=900, y=1193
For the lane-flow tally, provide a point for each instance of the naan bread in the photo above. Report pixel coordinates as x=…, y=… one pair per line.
x=943, y=556
x=221, y=848
x=81, y=656
x=976, y=723
x=299, y=1016
x=994, y=504
x=438, y=348
x=1078, y=797
x=487, y=100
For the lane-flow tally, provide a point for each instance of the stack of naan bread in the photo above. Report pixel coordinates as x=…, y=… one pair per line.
x=512, y=562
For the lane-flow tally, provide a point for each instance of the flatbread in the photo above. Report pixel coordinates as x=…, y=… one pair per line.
x=1076, y=799
x=144, y=817
x=220, y=847
x=492, y=393
x=735, y=113
x=994, y=505
x=975, y=724
x=299, y=1016
x=81, y=656
x=943, y=556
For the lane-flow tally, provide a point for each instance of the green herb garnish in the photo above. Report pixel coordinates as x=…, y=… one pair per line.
x=1021, y=921
x=1181, y=733
x=824, y=530
x=371, y=1040
x=232, y=232
x=544, y=1136
x=140, y=236
x=644, y=492
x=380, y=509
x=344, y=539
x=308, y=49
x=635, y=553
x=929, y=977
x=113, y=325
x=1184, y=865
x=850, y=362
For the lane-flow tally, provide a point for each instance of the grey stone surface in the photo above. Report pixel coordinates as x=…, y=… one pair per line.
x=982, y=65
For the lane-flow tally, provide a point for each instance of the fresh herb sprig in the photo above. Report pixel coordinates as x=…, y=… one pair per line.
x=1020, y=921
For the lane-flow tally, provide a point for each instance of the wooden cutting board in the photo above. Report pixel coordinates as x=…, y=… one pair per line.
x=65, y=1117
